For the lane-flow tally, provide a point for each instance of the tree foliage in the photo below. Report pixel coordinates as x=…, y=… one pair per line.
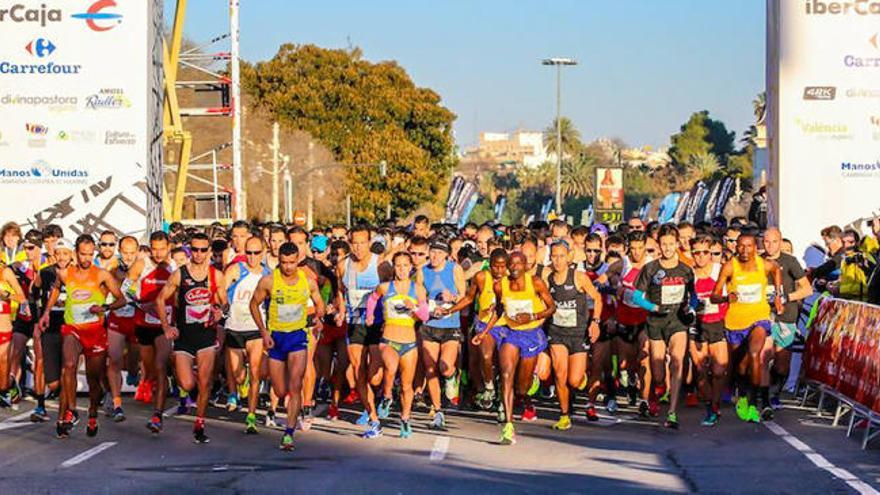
x=571, y=137
x=701, y=135
x=364, y=113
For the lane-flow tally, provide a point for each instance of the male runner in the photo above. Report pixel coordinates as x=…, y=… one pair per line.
x=664, y=288
x=148, y=276
x=243, y=339
x=120, y=324
x=525, y=302
x=571, y=330
x=106, y=257
x=83, y=332
x=11, y=294
x=747, y=322
x=199, y=294
x=288, y=290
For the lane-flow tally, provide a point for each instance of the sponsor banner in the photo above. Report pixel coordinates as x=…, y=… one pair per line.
x=77, y=94
x=609, y=195
x=843, y=350
x=823, y=68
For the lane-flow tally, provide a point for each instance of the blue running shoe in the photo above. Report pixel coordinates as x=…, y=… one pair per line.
x=364, y=419
x=374, y=431
x=384, y=408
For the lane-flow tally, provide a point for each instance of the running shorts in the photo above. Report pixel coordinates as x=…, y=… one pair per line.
x=629, y=333
x=530, y=342
x=710, y=333
x=664, y=328
x=498, y=332
x=440, y=335
x=737, y=337
x=192, y=341
x=51, y=345
x=92, y=337
x=147, y=335
x=287, y=342
x=574, y=341
x=358, y=333
x=124, y=326
x=5, y=337
x=332, y=334
x=239, y=340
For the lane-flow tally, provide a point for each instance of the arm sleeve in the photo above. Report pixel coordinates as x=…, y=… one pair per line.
x=422, y=311
x=372, y=302
x=642, y=302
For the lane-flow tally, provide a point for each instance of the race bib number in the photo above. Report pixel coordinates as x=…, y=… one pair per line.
x=81, y=314
x=358, y=297
x=198, y=314
x=709, y=308
x=241, y=313
x=398, y=311
x=517, y=307
x=152, y=319
x=290, y=313
x=671, y=294
x=749, y=294
x=565, y=317
x=126, y=311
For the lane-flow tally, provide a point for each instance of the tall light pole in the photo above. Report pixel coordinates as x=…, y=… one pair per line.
x=558, y=62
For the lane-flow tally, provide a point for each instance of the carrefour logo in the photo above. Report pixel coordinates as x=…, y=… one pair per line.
x=97, y=19
x=40, y=47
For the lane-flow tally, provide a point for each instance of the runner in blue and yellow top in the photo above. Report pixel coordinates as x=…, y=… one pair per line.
x=748, y=322
x=288, y=290
x=403, y=302
x=525, y=301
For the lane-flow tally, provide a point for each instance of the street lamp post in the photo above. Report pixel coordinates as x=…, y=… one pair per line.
x=558, y=62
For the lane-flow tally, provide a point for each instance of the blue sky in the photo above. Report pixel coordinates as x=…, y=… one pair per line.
x=645, y=65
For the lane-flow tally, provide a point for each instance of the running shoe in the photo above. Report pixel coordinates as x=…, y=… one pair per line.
x=286, y=442
x=632, y=395
x=439, y=421
x=118, y=415
x=324, y=391
x=653, y=408
x=373, y=431
x=742, y=408
x=548, y=393
x=132, y=379
x=199, y=435
x=363, y=419
x=775, y=403
x=671, y=421
x=644, y=409
x=245, y=387
x=529, y=413
x=591, y=413
x=250, y=424
x=39, y=415
x=536, y=385
x=155, y=424
x=767, y=414
x=140, y=391
x=270, y=419
x=232, y=404
x=305, y=418
x=62, y=429
x=107, y=403
x=691, y=400
x=333, y=412
x=611, y=406
x=487, y=399
x=384, y=409
x=351, y=398
x=92, y=426
x=753, y=415
x=508, y=435
x=72, y=417
x=405, y=429
x=664, y=399
x=4, y=401
x=583, y=384
x=500, y=416
x=15, y=393
x=451, y=387
x=148, y=392
x=711, y=418
x=182, y=408
x=563, y=424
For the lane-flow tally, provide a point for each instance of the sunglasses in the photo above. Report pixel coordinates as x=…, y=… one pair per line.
x=28, y=247
x=108, y=244
x=199, y=250
x=253, y=253
x=717, y=253
x=700, y=253
x=650, y=251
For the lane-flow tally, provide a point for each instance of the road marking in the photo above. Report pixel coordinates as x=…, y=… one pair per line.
x=820, y=461
x=73, y=461
x=441, y=446
x=17, y=417
x=9, y=426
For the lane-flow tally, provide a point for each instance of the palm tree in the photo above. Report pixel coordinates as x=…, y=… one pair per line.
x=577, y=176
x=759, y=106
x=705, y=164
x=571, y=137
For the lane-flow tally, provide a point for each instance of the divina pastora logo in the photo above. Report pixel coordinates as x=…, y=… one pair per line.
x=41, y=171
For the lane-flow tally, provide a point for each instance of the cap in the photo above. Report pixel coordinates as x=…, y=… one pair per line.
x=443, y=246
x=63, y=244
x=319, y=243
x=599, y=228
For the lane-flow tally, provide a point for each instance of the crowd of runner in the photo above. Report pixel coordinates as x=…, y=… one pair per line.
x=272, y=318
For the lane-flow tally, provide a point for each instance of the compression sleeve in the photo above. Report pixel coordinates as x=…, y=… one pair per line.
x=422, y=311
x=644, y=303
x=372, y=301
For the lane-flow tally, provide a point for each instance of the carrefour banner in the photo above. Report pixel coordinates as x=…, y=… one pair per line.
x=78, y=113
x=823, y=84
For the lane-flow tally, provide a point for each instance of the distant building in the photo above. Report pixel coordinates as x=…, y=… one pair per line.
x=521, y=147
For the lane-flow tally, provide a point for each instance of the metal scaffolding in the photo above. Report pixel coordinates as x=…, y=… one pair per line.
x=208, y=60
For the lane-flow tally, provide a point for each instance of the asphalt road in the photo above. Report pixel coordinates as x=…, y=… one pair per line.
x=799, y=453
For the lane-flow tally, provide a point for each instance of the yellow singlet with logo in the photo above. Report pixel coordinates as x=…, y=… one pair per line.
x=287, y=306
x=83, y=292
x=751, y=290
x=517, y=302
x=486, y=299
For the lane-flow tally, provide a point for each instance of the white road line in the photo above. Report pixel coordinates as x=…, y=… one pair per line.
x=9, y=426
x=441, y=446
x=17, y=417
x=73, y=461
x=820, y=461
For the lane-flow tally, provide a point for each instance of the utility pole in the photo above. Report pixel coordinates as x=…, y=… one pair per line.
x=310, y=199
x=237, y=183
x=558, y=62
x=275, y=150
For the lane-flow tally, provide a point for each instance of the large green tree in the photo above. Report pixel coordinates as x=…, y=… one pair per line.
x=571, y=137
x=701, y=135
x=364, y=113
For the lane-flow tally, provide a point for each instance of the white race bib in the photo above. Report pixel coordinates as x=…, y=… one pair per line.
x=709, y=308
x=82, y=314
x=126, y=311
x=397, y=311
x=152, y=319
x=198, y=314
x=519, y=306
x=671, y=294
x=565, y=317
x=358, y=297
x=749, y=294
x=290, y=313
